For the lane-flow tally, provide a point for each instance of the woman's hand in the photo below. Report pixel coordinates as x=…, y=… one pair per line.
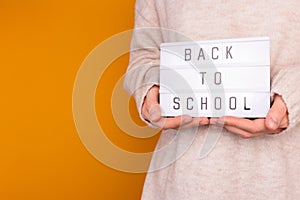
x=151, y=112
x=275, y=122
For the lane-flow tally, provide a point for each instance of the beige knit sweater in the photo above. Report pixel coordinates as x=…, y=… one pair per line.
x=266, y=167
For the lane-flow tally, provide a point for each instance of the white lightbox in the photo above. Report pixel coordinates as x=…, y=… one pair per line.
x=216, y=78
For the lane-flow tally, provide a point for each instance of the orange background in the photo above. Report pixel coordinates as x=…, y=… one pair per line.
x=42, y=45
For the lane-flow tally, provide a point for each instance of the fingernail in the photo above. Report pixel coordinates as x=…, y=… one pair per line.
x=272, y=123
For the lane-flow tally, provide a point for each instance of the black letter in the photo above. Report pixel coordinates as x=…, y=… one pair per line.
x=228, y=52
x=230, y=103
x=218, y=80
x=187, y=103
x=176, y=100
x=220, y=104
x=187, y=54
x=201, y=54
x=203, y=103
x=212, y=53
x=202, y=76
x=245, y=104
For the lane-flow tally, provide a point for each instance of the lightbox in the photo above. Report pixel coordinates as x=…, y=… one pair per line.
x=216, y=78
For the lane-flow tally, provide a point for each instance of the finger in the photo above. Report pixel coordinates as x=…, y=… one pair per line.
x=242, y=133
x=145, y=113
x=197, y=121
x=284, y=123
x=152, y=108
x=154, y=113
x=173, y=123
x=204, y=121
x=245, y=134
x=215, y=121
x=250, y=126
x=152, y=95
x=154, y=116
x=276, y=114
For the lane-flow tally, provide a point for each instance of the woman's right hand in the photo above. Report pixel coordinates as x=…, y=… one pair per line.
x=152, y=113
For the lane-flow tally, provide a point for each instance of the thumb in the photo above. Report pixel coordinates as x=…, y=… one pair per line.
x=276, y=113
x=152, y=104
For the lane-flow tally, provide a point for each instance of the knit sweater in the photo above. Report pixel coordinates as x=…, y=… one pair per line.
x=266, y=167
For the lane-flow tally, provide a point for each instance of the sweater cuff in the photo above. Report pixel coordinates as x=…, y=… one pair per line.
x=286, y=83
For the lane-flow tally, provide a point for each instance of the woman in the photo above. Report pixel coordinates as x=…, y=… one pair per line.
x=264, y=166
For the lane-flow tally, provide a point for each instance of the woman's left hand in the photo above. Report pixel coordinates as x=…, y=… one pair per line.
x=275, y=122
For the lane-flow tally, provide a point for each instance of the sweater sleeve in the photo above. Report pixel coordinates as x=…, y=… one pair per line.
x=143, y=69
x=286, y=83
